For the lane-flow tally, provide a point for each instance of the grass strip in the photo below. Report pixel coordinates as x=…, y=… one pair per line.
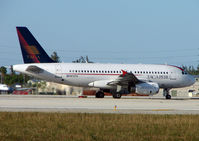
x=19, y=126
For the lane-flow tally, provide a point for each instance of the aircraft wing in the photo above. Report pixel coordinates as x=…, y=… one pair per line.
x=125, y=79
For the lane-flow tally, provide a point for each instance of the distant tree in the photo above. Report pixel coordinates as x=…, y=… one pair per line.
x=197, y=69
x=3, y=71
x=11, y=70
x=55, y=57
x=191, y=70
x=11, y=79
x=82, y=60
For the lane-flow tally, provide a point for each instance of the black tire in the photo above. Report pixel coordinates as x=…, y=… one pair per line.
x=117, y=95
x=168, y=96
x=99, y=95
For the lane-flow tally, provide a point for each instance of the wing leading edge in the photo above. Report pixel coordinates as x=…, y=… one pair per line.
x=125, y=79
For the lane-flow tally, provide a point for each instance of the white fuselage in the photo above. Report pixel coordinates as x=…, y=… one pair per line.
x=81, y=74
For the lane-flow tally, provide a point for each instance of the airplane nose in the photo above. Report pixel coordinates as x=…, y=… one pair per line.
x=191, y=79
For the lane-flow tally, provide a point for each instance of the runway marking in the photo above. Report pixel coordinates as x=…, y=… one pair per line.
x=163, y=110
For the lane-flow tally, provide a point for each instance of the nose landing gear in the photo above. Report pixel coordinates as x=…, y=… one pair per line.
x=166, y=93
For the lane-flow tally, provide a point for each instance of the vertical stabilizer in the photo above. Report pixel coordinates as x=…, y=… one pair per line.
x=32, y=51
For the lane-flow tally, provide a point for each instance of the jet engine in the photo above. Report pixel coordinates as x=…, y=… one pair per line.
x=149, y=88
x=101, y=84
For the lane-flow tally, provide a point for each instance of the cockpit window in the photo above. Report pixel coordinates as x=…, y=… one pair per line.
x=184, y=72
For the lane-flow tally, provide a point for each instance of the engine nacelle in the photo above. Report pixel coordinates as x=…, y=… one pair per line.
x=101, y=84
x=149, y=88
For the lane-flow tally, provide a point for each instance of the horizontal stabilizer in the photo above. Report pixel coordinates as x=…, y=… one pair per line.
x=34, y=69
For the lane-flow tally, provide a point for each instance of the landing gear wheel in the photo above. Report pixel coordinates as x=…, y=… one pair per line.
x=168, y=96
x=117, y=95
x=99, y=94
x=166, y=93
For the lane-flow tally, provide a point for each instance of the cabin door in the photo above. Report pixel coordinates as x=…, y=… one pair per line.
x=59, y=74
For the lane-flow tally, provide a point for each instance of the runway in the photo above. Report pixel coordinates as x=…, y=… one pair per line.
x=142, y=105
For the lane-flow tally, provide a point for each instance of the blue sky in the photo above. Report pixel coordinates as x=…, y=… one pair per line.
x=108, y=31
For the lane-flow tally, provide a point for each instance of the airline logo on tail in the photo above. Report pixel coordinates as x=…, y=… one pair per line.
x=32, y=51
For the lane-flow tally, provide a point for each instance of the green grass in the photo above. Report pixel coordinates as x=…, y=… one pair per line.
x=97, y=127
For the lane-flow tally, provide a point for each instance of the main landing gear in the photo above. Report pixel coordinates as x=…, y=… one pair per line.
x=166, y=93
x=99, y=94
x=117, y=95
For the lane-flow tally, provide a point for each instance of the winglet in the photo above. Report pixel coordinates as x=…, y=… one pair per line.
x=124, y=73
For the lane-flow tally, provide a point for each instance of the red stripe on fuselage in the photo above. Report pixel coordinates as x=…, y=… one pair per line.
x=25, y=44
x=176, y=67
x=87, y=74
x=91, y=74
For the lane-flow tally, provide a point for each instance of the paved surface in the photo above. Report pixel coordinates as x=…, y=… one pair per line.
x=129, y=105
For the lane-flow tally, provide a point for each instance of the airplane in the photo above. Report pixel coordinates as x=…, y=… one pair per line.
x=118, y=79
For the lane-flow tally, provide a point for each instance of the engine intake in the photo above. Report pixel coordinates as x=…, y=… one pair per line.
x=149, y=88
